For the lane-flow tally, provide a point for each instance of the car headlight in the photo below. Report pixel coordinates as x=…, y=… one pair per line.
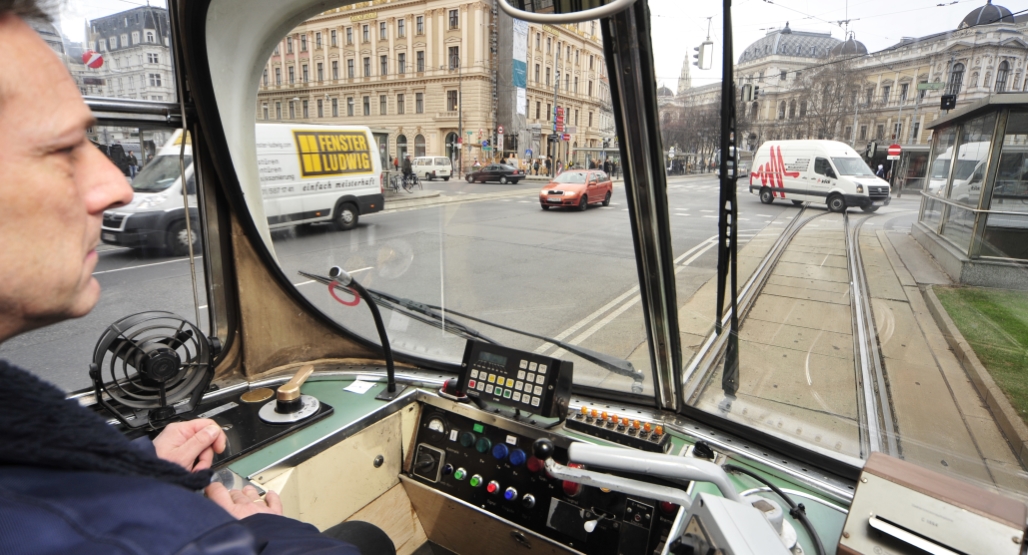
x=860, y=188
x=570, y=193
x=150, y=202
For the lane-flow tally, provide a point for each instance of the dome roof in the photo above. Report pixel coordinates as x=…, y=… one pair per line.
x=786, y=42
x=852, y=47
x=987, y=14
x=664, y=91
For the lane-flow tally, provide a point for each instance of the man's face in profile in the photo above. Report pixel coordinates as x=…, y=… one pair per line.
x=54, y=187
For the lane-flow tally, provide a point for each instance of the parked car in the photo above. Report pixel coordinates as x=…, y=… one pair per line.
x=431, y=167
x=577, y=188
x=497, y=172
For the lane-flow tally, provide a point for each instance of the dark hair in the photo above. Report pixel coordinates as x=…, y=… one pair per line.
x=25, y=9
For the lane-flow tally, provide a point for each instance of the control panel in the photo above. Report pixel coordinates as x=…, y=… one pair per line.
x=488, y=462
x=620, y=429
x=526, y=381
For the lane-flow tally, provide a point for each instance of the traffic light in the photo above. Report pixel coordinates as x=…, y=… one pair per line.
x=704, y=55
x=949, y=101
x=756, y=91
x=871, y=148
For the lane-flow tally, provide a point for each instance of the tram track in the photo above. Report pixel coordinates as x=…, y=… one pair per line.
x=874, y=414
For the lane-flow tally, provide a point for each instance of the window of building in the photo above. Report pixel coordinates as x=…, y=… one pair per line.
x=151, y=37
x=863, y=133
x=792, y=109
x=156, y=59
x=536, y=73
x=303, y=73
x=537, y=106
x=916, y=131
x=365, y=33
x=303, y=42
x=591, y=59
x=549, y=112
x=451, y=101
x=264, y=109
x=547, y=77
x=419, y=145
x=264, y=78
x=367, y=106
x=349, y=106
x=1001, y=76
x=589, y=90
x=781, y=110
x=870, y=95
x=383, y=105
x=321, y=109
x=782, y=76
x=401, y=28
x=576, y=86
x=454, y=57
x=569, y=53
x=155, y=79
x=349, y=68
x=897, y=129
x=419, y=103
x=317, y=40
x=278, y=76
x=590, y=119
x=401, y=146
x=576, y=118
x=321, y=72
x=401, y=63
x=349, y=35
x=400, y=108
x=419, y=25
x=278, y=110
x=383, y=63
x=538, y=40
x=335, y=107
x=549, y=45
x=956, y=77
x=124, y=41
x=922, y=92
x=335, y=70
x=880, y=132
x=904, y=89
x=420, y=61
x=576, y=57
x=886, y=89
x=135, y=37
x=289, y=45
x=332, y=37
x=803, y=108
x=367, y=66
x=292, y=110
x=114, y=42
x=848, y=133
x=454, y=19
x=383, y=33
x=305, y=114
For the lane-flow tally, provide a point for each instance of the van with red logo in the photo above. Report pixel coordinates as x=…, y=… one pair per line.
x=816, y=171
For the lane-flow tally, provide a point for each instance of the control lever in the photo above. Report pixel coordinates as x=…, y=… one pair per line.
x=289, y=404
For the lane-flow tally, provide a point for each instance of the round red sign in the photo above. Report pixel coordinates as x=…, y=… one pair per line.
x=92, y=59
x=895, y=150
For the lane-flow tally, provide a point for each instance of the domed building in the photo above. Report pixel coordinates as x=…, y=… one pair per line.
x=986, y=15
x=852, y=47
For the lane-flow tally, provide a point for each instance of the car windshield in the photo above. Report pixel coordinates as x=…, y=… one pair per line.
x=160, y=174
x=570, y=177
x=854, y=167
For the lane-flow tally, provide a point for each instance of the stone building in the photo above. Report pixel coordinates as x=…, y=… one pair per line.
x=421, y=74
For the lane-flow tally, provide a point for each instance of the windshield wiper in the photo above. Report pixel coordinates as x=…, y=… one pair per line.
x=440, y=318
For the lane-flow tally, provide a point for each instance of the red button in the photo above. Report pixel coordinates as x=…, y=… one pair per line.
x=471, y=384
x=493, y=487
x=535, y=465
x=668, y=508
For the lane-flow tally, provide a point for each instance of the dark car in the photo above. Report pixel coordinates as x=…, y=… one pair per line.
x=497, y=172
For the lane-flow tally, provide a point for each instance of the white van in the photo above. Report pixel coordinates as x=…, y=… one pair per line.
x=818, y=171
x=431, y=167
x=308, y=174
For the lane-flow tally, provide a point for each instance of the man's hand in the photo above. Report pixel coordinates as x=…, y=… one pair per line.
x=192, y=444
x=245, y=502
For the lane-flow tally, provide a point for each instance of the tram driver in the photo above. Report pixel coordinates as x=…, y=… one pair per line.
x=69, y=483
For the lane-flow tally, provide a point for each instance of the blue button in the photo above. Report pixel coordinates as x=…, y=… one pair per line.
x=500, y=451
x=518, y=457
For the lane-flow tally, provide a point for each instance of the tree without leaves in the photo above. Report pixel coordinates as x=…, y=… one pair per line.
x=831, y=95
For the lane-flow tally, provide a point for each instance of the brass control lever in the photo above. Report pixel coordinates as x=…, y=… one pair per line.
x=288, y=394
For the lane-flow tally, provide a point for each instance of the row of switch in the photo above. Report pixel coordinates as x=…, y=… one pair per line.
x=493, y=487
x=632, y=427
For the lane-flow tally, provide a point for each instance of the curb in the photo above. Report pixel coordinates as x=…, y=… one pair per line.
x=1010, y=423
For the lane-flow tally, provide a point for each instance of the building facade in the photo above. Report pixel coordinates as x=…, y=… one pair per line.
x=136, y=48
x=421, y=74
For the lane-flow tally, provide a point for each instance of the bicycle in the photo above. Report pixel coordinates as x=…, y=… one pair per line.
x=411, y=181
x=396, y=182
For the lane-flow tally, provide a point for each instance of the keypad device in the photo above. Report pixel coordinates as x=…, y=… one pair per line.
x=530, y=382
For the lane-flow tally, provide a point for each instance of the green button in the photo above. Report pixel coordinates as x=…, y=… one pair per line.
x=476, y=481
x=459, y=474
x=478, y=428
x=506, y=393
x=483, y=445
x=499, y=392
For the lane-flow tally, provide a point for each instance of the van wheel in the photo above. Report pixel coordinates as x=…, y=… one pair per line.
x=870, y=208
x=583, y=203
x=429, y=176
x=178, y=239
x=503, y=180
x=345, y=216
x=447, y=178
x=766, y=196
x=797, y=202
x=836, y=203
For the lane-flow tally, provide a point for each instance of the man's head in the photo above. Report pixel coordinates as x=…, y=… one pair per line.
x=54, y=185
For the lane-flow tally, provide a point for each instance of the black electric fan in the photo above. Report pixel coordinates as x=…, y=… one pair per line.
x=149, y=367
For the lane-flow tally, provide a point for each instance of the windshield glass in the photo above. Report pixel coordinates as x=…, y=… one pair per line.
x=570, y=177
x=852, y=166
x=159, y=174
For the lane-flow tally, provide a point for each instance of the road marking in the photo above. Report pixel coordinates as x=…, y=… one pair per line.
x=706, y=210
x=584, y=321
x=709, y=216
x=144, y=265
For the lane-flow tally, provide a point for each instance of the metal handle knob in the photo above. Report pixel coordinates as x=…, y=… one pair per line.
x=290, y=391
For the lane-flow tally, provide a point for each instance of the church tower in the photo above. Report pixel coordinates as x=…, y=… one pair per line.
x=684, y=81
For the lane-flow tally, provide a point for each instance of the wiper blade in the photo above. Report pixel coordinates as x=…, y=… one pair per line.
x=414, y=310
x=611, y=363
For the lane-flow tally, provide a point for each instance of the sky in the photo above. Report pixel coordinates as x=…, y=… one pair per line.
x=75, y=13
x=678, y=25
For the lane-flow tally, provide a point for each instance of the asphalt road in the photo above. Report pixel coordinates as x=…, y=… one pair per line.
x=557, y=273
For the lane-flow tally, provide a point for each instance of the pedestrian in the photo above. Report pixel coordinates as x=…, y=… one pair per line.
x=535, y=166
x=477, y=165
x=396, y=163
x=549, y=164
x=606, y=166
x=133, y=164
x=881, y=171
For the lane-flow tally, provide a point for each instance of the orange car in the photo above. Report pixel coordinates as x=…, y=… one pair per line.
x=577, y=188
